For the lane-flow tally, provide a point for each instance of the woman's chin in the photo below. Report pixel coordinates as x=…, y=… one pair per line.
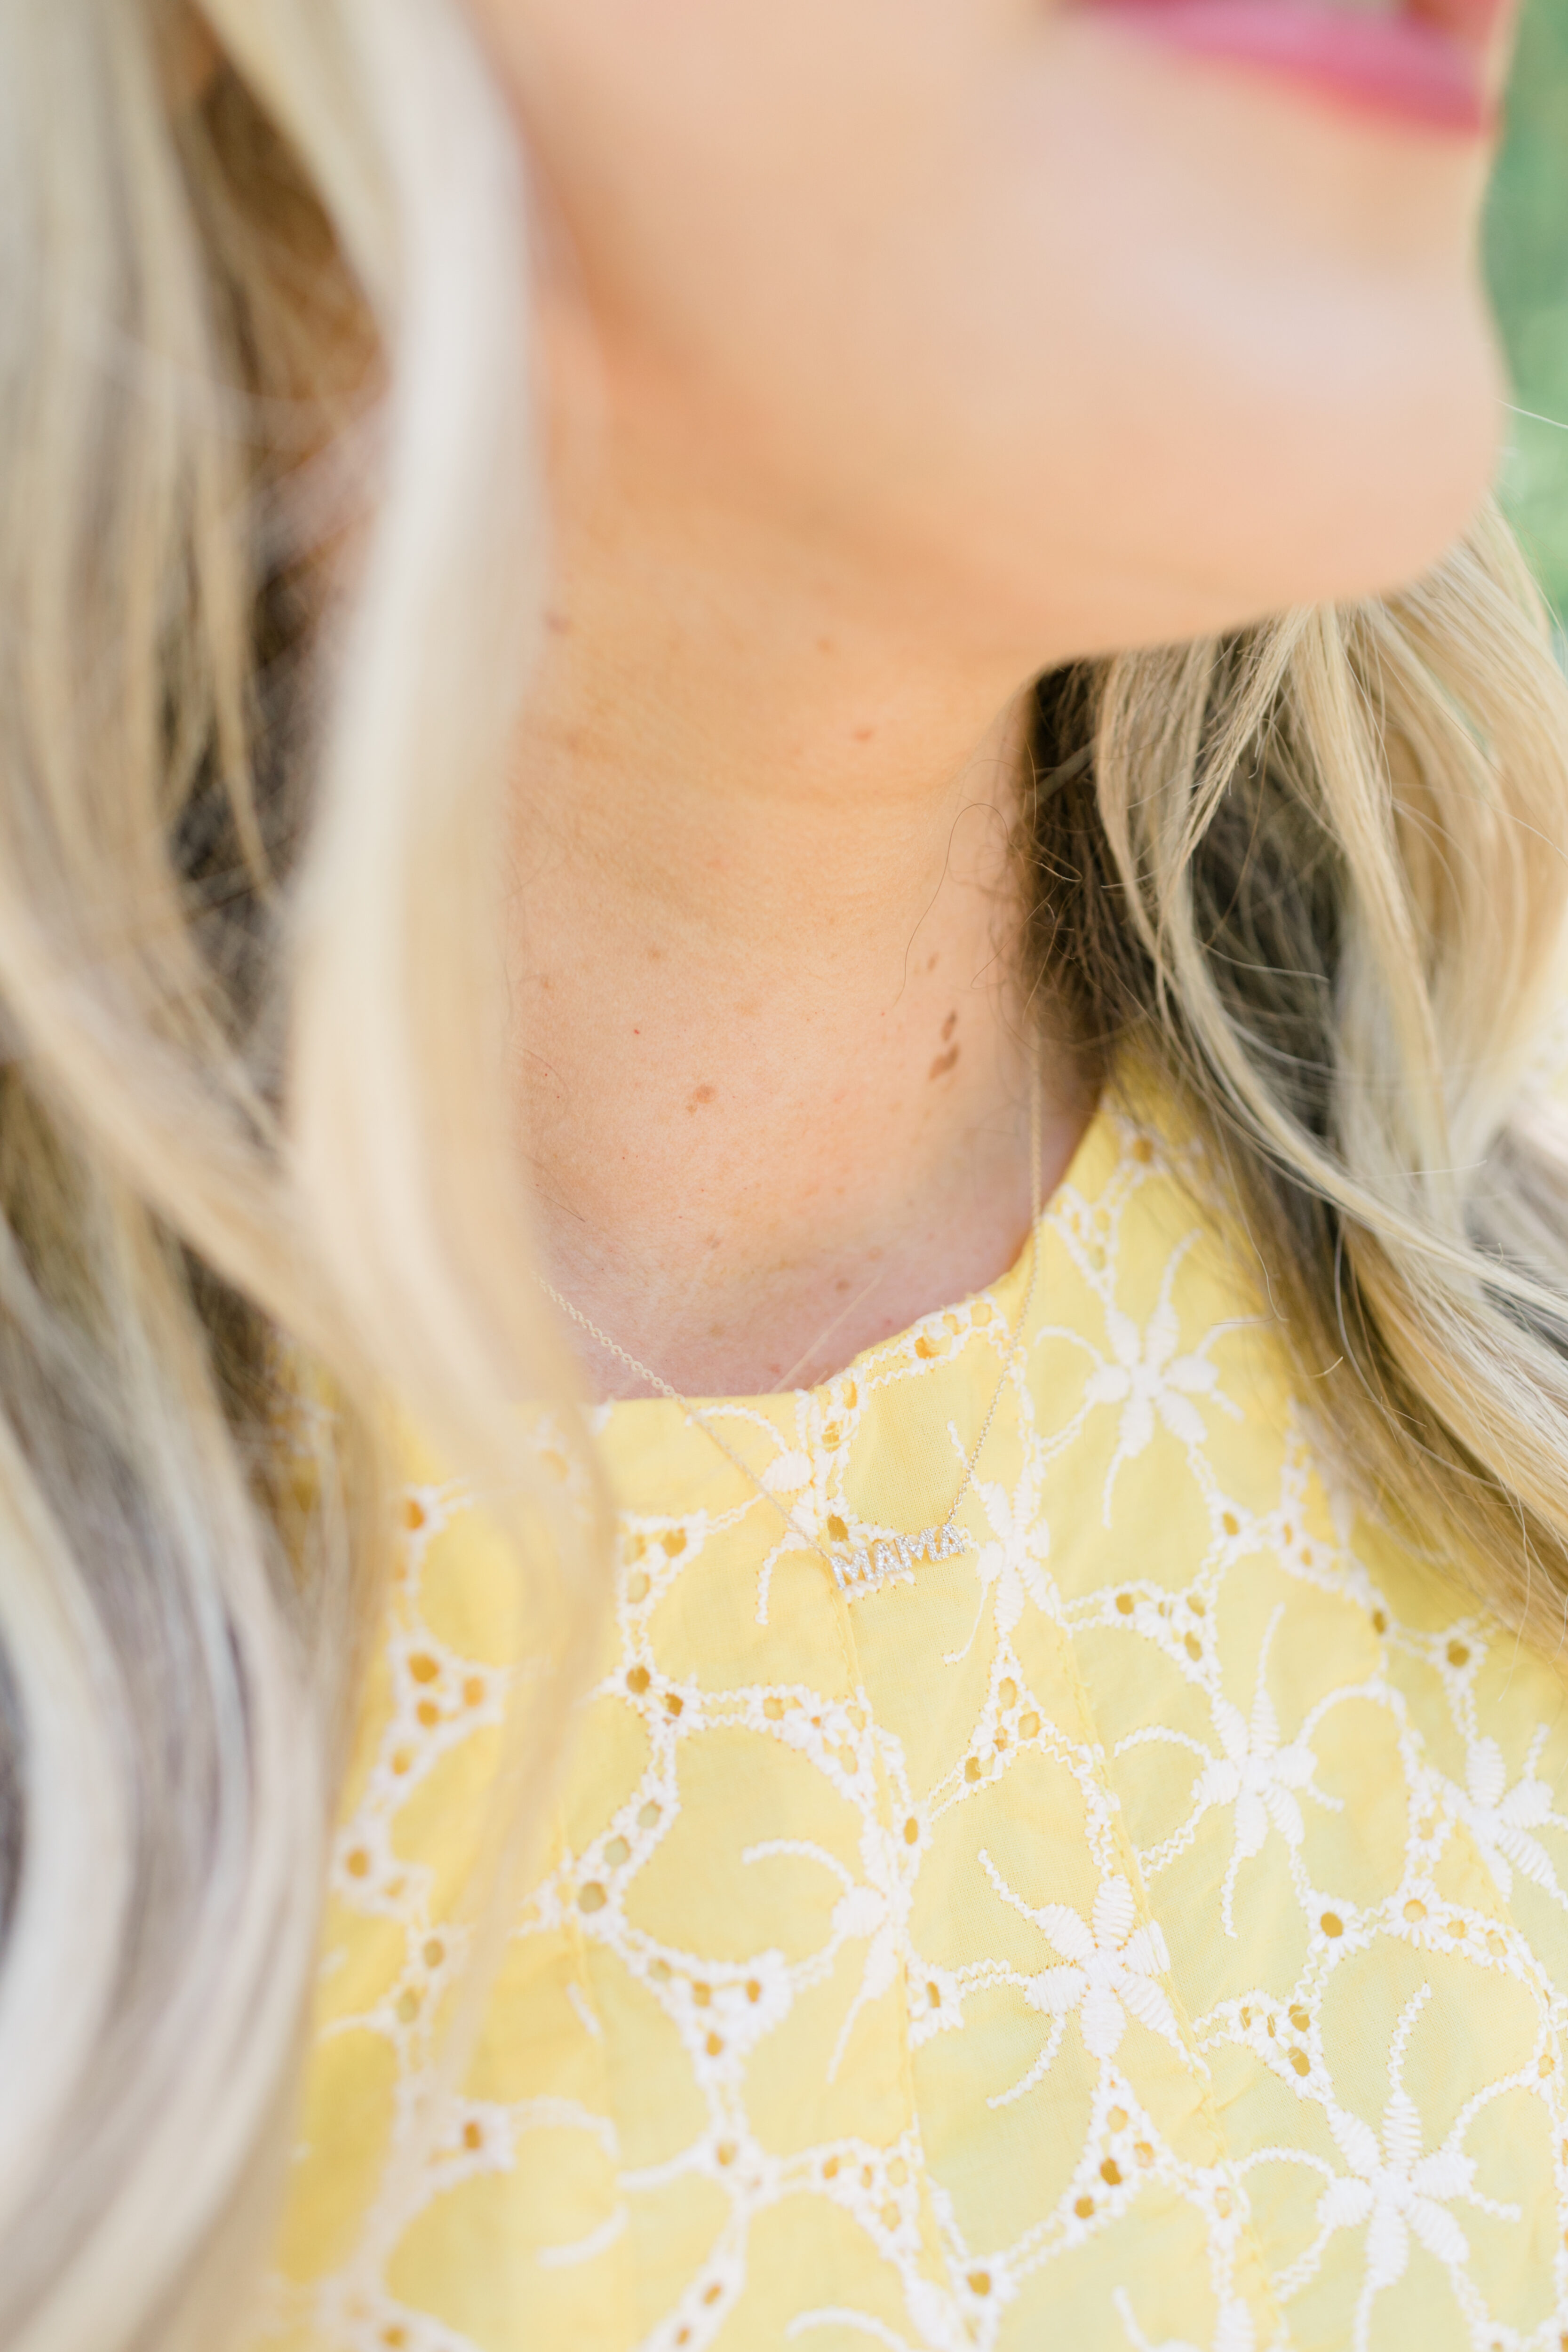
x=1333, y=519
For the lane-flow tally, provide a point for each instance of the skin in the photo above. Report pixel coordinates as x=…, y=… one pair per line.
x=894, y=351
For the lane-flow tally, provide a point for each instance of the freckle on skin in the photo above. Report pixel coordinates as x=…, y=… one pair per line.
x=864, y=734
x=944, y=1061
x=948, y=1026
x=558, y=624
x=931, y=965
x=702, y=1094
x=656, y=955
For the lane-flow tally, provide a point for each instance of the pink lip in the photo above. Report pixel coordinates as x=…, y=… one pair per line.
x=1428, y=70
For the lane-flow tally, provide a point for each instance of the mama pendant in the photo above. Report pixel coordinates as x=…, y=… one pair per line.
x=859, y=1568
x=864, y=1566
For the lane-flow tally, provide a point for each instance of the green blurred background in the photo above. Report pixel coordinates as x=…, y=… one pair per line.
x=1527, y=260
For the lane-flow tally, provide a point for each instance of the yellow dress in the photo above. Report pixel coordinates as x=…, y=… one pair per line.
x=1146, y=1931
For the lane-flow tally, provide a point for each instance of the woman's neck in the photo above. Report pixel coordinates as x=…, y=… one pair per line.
x=772, y=1059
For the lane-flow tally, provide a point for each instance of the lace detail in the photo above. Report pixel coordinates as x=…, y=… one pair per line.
x=1147, y=1930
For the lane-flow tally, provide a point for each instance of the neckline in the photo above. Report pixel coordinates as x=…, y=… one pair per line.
x=1001, y=1293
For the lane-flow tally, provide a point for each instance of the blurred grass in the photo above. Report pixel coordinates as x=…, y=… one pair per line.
x=1527, y=264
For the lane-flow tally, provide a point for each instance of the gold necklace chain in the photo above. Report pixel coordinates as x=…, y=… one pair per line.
x=858, y=1567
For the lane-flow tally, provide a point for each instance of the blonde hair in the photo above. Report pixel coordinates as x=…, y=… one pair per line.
x=276, y=325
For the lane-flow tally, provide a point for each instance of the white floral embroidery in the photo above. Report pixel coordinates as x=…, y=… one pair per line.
x=775, y=1977
x=1501, y=1819
x=1147, y=1377
x=1112, y=1965
x=1009, y=1567
x=1257, y=1773
x=1392, y=2186
x=1396, y=2187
